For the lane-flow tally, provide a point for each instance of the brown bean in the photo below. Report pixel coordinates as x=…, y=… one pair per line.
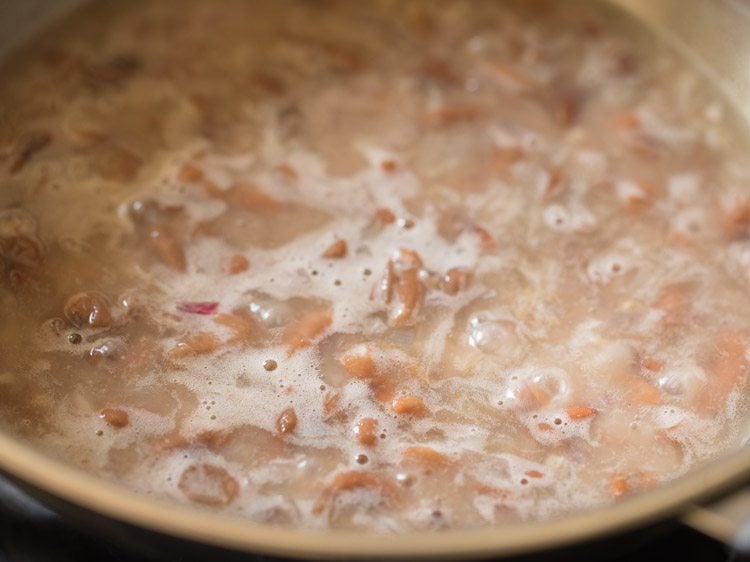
x=238, y=264
x=120, y=164
x=115, y=417
x=509, y=73
x=189, y=173
x=359, y=364
x=167, y=248
x=580, y=412
x=208, y=484
x=456, y=279
x=365, y=431
x=19, y=279
x=286, y=423
x=427, y=457
x=250, y=197
x=626, y=121
x=402, y=279
x=440, y=70
x=652, y=364
x=29, y=144
x=88, y=309
x=307, y=328
x=503, y=158
x=486, y=240
x=406, y=258
x=410, y=406
x=727, y=366
x=337, y=250
x=452, y=115
x=386, y=284
x=389, y=166
x=268, y=83
x=21, y=250
x=618, y=485
x=332, y=408
x=112, y=72
x=288, y=172
x=353, y=480
x=566, y=105
x=675, y=303
x=201, y=343
x=213, y=439
x=384, y=216
x=410, y=292
x=532, y=396
x=242, y=324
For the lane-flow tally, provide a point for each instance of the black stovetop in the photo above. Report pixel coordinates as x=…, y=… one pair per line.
x=32, y=533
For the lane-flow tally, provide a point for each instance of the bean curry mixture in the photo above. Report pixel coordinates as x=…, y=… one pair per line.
x=383, y=265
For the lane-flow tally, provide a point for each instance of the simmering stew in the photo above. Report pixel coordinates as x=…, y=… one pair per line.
x=384, y=265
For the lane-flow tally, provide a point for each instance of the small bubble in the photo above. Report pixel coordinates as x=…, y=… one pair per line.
x=270, y=364
x=75, y=338
x=361, y=459
x=99, y=433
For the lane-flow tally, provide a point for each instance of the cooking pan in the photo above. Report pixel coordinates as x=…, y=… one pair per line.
x=714, y=36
